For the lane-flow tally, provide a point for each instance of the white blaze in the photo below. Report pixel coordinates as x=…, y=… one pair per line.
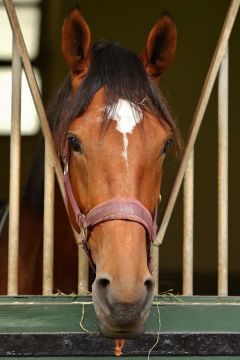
x=127, y=117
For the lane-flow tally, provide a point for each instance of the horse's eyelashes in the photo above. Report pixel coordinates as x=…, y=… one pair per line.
x=167, y=145
x=75, y=144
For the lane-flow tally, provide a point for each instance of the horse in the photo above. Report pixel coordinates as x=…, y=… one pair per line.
x=112, y=129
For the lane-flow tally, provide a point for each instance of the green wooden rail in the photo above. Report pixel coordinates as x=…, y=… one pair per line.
x=59, y=326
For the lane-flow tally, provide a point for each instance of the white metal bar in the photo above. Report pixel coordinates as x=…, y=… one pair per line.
x=48, y=225
x=223, y=178
x=199, y=113
x=37, y=99
x=14, y=186
x=83, y=267
x=155, y=264
x=188, y=212
x=33, y=86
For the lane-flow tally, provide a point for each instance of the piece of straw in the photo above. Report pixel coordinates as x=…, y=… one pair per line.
x=82, y=318
x=158, y=334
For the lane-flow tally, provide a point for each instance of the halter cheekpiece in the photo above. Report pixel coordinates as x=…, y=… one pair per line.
x=115, y=209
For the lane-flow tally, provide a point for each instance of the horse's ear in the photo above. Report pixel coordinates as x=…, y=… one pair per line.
x=161, y=45
x=76, y=39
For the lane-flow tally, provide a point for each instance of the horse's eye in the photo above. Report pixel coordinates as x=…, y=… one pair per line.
x=167, y=145
x=75, y=144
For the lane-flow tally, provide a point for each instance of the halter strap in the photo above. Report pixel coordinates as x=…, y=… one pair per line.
x=115, y=209
x=122, y=209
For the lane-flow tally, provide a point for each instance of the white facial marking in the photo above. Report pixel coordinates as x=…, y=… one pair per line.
x=127, y=117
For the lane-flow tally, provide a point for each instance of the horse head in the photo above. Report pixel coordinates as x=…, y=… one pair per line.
x=117, y=129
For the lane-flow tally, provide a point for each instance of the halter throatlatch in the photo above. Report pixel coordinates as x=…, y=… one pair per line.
x=116, y=209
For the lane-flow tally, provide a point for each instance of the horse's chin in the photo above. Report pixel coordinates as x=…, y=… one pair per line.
x=111, y=329
x=121, y=333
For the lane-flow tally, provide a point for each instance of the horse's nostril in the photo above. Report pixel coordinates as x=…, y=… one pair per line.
x=103, y=282
x=149, y=284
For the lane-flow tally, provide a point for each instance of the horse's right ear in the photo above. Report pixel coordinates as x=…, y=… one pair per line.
x=76, y=40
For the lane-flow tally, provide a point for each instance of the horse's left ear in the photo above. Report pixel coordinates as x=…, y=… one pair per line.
x=160, y=48
x=76, y=39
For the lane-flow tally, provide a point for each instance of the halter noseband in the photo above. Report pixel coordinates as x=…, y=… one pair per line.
x=115, y=209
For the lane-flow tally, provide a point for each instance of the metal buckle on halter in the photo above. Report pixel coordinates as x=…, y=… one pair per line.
x=83, y=227
x=84, y=234
x=82, y=220
x=65, y=168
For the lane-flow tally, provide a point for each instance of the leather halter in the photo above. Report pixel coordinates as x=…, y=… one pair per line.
x=116, y=209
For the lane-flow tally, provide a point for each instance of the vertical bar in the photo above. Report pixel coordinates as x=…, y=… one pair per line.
x=14, y=186
x=155, y=264
x=199, y=113
x=48, y=224
x=223, y=177
x=83, y=274
x=188, y=211
x=83, y=266
x=34, y=90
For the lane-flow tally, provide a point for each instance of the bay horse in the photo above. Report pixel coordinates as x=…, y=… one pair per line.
x=112, y=129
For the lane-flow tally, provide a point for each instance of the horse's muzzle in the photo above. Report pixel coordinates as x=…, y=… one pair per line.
x=118, y=319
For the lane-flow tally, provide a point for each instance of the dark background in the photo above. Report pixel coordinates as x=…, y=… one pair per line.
x=199, y=24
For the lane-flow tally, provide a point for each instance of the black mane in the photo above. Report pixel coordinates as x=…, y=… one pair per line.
x=122, y=75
